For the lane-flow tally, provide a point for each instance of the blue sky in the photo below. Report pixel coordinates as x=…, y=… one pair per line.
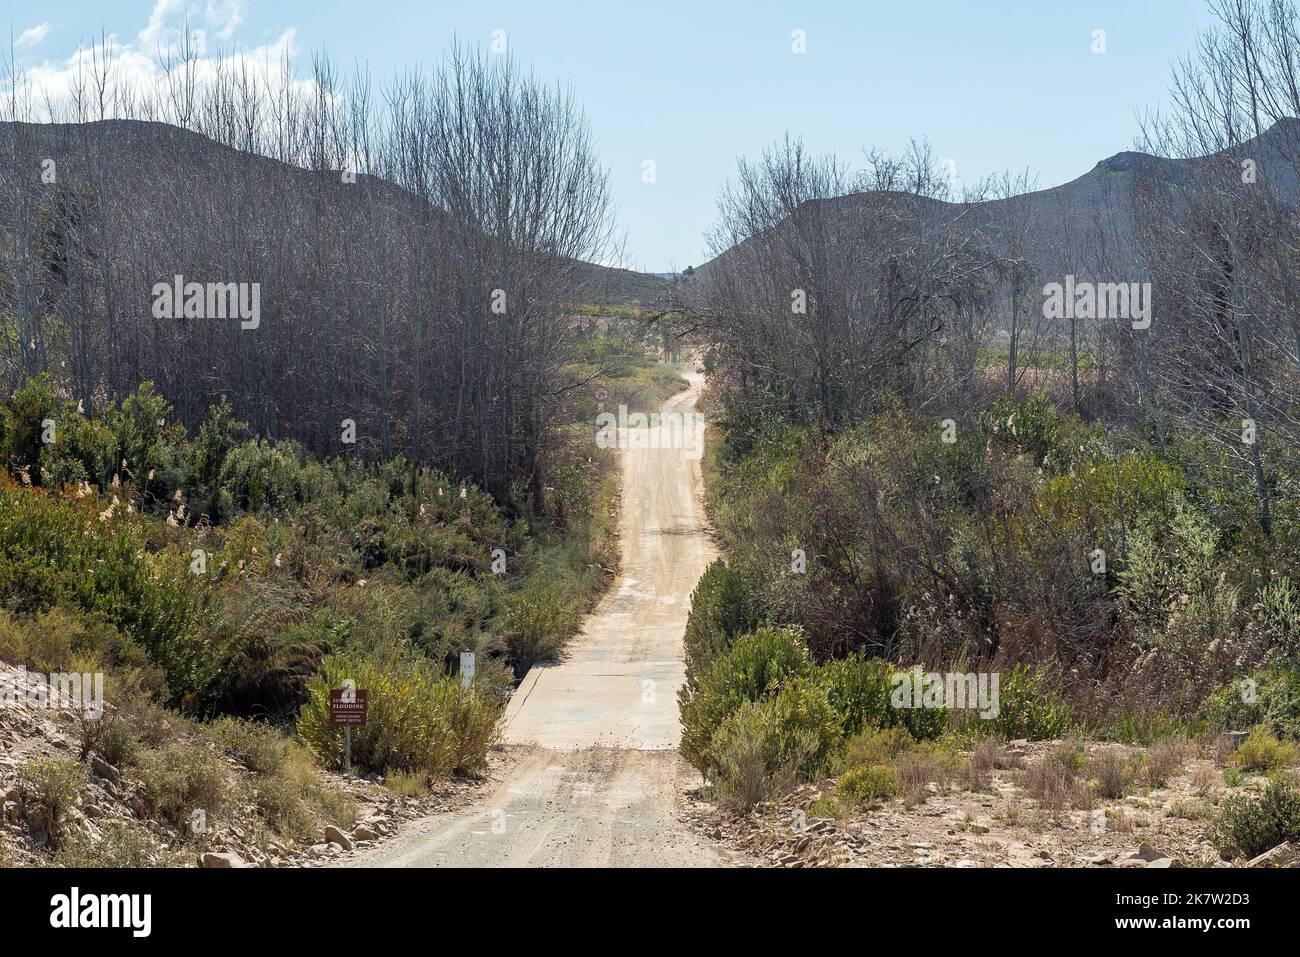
x=993, y=84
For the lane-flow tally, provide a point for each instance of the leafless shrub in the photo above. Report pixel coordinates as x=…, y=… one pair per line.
x=973, y=775
x=1118, y=820
x=1165, y=760
x=1205, y=779
x=988, y=755
x=1112, y=773
x=1052, y=779
x=1081, y=797
x=917, y=770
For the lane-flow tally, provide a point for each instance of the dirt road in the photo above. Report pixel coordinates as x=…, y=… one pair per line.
x=593, y=777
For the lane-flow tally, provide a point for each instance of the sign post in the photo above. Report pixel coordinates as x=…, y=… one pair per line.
x=466, y=668
x=347, y=709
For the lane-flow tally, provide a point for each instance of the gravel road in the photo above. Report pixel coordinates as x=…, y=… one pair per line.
x=592, y=776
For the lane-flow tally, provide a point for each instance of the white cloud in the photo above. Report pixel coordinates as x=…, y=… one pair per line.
x=138, y=68
x=137, y=65
x=33, y=36
x=221, y=18
x=224, y=16
x=158, y=33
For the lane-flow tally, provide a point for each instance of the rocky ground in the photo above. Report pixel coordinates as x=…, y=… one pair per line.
x=999, y=825
x=107, y=822
x=381, y=816
x=993, y=822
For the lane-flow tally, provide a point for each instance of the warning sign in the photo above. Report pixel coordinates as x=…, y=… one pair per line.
x=347, y=707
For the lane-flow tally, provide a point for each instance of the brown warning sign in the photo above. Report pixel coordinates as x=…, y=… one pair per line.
x=347, y=707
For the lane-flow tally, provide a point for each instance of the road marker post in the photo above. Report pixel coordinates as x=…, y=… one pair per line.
x=348, y=707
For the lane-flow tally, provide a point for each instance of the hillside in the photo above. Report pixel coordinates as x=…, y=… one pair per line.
x=611, y=286
x=1103, y=194
x=136, y=152
x=421, y=314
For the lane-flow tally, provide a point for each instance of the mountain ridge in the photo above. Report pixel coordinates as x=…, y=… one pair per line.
x=123, y=138
x=1104, y=189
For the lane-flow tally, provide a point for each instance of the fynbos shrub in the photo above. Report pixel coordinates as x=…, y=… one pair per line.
x=1028, y=708
x=723, y=606
x=1252, y=825
x=754, y=668
x=418, y=720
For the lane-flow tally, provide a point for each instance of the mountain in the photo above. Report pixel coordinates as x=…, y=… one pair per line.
x=138, y=156
x=1053, y=216
x=611, y=286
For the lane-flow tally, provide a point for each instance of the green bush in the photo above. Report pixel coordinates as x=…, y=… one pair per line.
x=258, y=747
x=119, y=744
x=876, y=746
x=259, y=475
x=1146, y=726
x=418, y=719
x=1249, y=826
x=179, y=779
x=290, y=797
x=1261, y=751
x=754, y=668
x=22, y=424
x=84, y=450
x=132, y=442
x=723, y=606
x=265, y=664
x=58, y=551
x=474, y=716
x=866, y=784
x=148, y=445
x=764, y=747
x=1030, y=426
x=405, y=784
x=745, y=771
x=1270, y=697
x=55, y=638
x=216, y=437
x=1277, y=617
x=538, y=620
x=118, y=845
x=1174, y=590
x=861, y=689
x=1027, y=708
x=47, y=789
x=41, y=649
x=1102, y=499
x=802, y=725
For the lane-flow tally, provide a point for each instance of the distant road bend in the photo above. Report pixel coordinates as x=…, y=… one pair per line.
x=594, y=775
